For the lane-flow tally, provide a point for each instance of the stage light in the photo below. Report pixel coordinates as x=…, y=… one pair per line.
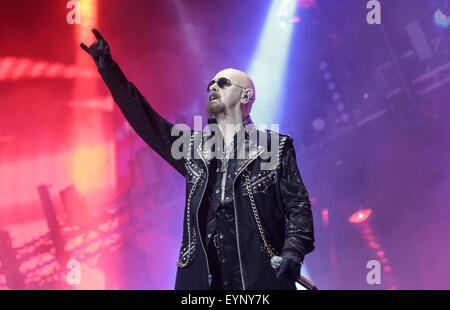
x=374, y=245
x=325, y=219
x=336, y=96
x=441, y=19
x=318, y=124
x=12, y=68
x=90, y=167
x=268, y=65
x=88, y=10
x=360, y=216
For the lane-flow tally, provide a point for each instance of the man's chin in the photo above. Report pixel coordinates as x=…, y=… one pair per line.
x=214, y=109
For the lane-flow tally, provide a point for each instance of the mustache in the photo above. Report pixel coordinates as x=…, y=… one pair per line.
x=214, y=95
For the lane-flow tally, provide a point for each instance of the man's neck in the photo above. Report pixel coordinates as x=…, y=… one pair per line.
x=229, y=126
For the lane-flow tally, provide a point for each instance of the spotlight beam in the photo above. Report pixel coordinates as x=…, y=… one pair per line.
x=268, y=65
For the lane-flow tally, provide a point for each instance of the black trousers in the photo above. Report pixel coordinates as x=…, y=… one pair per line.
x=223, y=252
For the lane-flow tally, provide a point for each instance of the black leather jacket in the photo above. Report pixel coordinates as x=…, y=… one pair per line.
x=283, y=211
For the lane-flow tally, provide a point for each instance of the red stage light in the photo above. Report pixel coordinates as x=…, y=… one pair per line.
x=360, y=216
x=325, y=217
x=12, y=68
x=374, y=245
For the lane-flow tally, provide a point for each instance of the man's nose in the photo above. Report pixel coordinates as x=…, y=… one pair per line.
x=214, y=88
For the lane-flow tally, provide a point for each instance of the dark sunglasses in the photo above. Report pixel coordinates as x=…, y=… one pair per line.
x=222, y=83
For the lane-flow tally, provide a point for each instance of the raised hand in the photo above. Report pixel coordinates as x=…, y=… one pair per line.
x=99, y=51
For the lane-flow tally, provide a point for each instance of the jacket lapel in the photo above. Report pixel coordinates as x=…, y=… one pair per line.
x=247, y=148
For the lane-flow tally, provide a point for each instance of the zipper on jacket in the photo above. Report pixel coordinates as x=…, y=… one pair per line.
x=222, y=186
x=235, y=219
x=198, y=225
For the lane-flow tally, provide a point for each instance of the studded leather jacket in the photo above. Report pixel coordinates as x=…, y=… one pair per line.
x=271, y=206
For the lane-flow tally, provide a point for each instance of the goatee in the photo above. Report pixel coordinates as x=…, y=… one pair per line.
x=215, y=108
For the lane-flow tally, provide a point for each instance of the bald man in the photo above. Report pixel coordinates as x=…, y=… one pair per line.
x=246, y=203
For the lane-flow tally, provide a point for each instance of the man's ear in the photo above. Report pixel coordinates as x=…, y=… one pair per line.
x=247, y=95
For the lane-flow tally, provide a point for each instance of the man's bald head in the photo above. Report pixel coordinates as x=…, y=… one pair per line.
x=240, y=95
x=236, y=76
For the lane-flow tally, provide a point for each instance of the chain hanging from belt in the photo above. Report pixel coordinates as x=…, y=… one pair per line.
x=267, y=247
x=190, y=248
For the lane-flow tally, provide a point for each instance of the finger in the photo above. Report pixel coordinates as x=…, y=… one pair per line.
x=282, y=269
x=86, y=49
x=98, y=36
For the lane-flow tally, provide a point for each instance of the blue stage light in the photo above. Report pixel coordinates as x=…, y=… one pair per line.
x=268, y=65
x=441, y=19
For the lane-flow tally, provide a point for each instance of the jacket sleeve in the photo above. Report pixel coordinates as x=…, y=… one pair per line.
x=297, y=207
x=148, y=124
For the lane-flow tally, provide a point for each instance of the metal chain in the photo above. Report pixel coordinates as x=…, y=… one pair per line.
x=267, y=247
x=226, y=153
x=188, y=219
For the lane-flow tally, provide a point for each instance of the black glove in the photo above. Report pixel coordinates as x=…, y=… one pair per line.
x=290, y=267
x=99, y=51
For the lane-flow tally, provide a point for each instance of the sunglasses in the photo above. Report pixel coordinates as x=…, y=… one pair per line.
x=222, y=83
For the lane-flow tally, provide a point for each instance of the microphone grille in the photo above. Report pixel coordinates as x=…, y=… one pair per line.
x=275, y=261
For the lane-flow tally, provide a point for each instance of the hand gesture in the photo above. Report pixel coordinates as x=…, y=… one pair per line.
x=99, y=51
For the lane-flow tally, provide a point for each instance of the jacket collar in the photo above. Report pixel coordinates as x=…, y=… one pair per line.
x=247, y=120
x=248, y=150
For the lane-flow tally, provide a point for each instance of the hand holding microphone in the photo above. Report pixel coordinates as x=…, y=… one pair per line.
x=288, y=267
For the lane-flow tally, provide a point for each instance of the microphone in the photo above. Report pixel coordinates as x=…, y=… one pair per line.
x=276, y=261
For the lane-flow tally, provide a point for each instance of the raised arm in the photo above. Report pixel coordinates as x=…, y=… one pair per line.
x=149, y=125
